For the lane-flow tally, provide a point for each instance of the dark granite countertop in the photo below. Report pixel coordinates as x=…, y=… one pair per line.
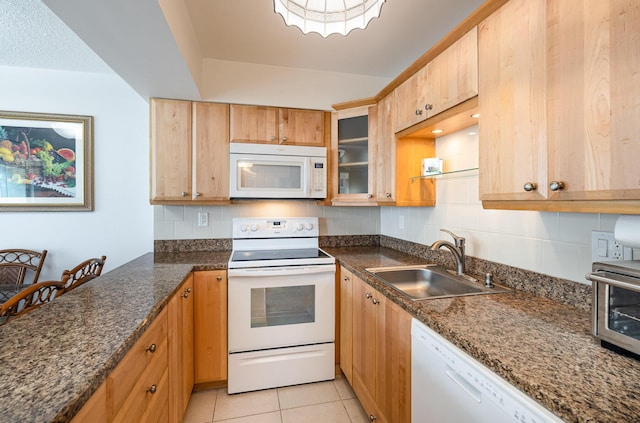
x=53, y=358
x=541, y=346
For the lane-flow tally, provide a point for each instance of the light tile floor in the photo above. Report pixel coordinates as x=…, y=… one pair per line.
x=326, y=402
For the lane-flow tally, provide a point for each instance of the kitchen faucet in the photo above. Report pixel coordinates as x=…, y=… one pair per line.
x=457, y=249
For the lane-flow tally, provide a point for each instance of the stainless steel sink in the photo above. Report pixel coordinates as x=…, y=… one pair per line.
x=431, y=281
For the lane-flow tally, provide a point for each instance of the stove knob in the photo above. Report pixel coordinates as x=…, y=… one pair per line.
x=309, y=226
x=299, y=227
x=243, y=228
x=254, y=227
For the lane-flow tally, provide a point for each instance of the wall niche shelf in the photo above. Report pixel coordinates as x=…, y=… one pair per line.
x=450, y=174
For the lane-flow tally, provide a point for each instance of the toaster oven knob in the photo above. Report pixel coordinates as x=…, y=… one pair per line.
x=309, y=226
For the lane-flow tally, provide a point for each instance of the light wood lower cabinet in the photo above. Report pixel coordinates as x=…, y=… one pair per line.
x=346, y=324
x=181, y=356
x=381, y=354
x=95, y=410
x=210, y=331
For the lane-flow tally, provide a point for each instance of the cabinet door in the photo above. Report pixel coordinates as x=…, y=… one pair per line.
x=410, y=99
x=594, y=99
x=452, y=77
x=346, y=324
x=210, y=330
x=181, y=361
x=210, y=151
x=386, y=154
x=170, y=123
x=301, y=127
x=393, y=394
x=512, y=99
x=95, y=410
x=256, y=124
x=353, y=156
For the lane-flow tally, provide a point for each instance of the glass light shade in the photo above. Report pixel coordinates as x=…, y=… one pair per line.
x=328, y=17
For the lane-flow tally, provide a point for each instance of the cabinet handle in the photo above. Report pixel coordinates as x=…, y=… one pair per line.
x=556, y=186
x=151, y=348
x=367, y=295
x=219, y=278
x=197, y=194
x=418, y=112
x=152, y=389
x=375, y=301
x=428, y=106
x=530, y=186
x=184, y=193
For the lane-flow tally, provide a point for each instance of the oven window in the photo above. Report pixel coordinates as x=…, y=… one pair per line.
x=281, y=176
x=624, y=311
x=282, y=306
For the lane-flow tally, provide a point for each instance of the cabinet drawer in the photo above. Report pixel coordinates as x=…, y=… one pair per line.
x=130, y=370
x=142, y=404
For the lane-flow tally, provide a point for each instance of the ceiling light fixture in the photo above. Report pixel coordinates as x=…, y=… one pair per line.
x=328, y=17
x=437, y=131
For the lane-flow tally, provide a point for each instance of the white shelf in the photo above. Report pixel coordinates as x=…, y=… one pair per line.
x=451, y=174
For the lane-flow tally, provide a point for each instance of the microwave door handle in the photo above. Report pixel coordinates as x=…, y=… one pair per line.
x=598, y=277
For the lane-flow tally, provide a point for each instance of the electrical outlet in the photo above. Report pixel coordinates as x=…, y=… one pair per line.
x=605, y=248
x=203, y=219
x=401, y=222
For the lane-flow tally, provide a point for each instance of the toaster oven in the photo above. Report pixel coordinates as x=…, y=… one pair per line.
x=616, y=305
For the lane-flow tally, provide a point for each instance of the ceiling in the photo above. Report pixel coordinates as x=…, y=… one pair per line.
x=177, y=49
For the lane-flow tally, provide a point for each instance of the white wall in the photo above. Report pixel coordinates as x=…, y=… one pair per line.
x=121, y=225
x=556, y=244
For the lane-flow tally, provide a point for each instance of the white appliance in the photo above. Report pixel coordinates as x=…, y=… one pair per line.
x=448, y=386
x=281, y=323
x=277, y=171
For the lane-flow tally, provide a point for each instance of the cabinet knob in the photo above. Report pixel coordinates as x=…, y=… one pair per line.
x=184, y=193
x=219, y=277
x=372, y=417
x=152, y=389
x=346, y=278
x=428, y=106
x=186, y=292
x=388, y=195
x=530, y=186
x=151, y=348
x=369, y=195
x=556, y=186
x=418, y=112
x=375, y=301
x=197, y=194
x=367, y=295
x=285, y=139
x=273, y=138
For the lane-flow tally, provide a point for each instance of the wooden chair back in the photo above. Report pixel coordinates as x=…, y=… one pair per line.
x=83, y=273
x=29, y=298
x=14, y=265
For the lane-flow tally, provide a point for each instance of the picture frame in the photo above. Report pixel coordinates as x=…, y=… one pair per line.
x=46, y=162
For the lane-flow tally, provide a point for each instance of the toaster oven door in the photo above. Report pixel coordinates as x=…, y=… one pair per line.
x=616, y=309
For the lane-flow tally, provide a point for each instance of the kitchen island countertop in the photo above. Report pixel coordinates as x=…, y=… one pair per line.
x=53, y=358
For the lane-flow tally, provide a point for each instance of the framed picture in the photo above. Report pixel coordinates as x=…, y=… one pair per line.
x=46, y=162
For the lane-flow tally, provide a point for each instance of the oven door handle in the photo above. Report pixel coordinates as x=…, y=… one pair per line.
x=282, y=271
x=599, y=277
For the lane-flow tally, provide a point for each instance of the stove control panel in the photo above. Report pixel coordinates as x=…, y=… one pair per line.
x=286, y=227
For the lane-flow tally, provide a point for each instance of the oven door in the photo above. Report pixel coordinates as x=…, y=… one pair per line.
x=616, y=309
x=275, y=307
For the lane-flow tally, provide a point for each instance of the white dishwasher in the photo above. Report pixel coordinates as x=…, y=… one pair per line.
x=447, y=385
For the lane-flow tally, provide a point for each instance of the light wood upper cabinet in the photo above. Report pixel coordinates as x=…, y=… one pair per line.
x=448, y=80
x=353, y=156
x=272, y=125
x=560, y=106
x=386, y=153
x=189, y=152
x=170, y=150
x=210, y=331
x=301, y=127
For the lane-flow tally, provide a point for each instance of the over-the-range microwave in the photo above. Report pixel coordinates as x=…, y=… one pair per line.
x=277, y=171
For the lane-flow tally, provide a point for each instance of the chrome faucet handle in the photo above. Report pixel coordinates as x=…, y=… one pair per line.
x=458, y=239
